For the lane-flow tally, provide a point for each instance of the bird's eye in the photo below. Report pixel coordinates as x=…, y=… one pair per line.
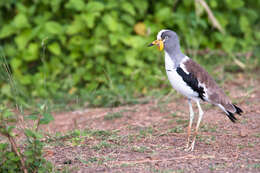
x=166, y=38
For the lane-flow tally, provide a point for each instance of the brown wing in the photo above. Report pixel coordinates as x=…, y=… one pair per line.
x=215, y=94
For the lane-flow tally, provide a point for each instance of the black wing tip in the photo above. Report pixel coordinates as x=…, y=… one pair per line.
x=238, y=110
x=231, y=116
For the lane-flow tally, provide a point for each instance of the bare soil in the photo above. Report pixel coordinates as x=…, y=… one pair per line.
x=151, y=137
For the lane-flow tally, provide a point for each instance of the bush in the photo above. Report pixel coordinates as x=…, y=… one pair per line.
x=29, y=156
x=57, y=47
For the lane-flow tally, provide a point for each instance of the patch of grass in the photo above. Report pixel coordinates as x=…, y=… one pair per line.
x=241, y=146
x=114, y=96
x=146, y=131
x=124, y=165
x=112, y=116
x=207, y=106
x=77, y=135
x=173, y=115
x=208, y=128
x=100, y=134
x=244, y=121
x=155, y=170
x=250, y=145
x=206, y=139
x=182, y=121
x=76, y=141
x=257, y=135
x=177, y=129
x=255, y=165
x=217, y=167
x=102, y=145
x=140, y=149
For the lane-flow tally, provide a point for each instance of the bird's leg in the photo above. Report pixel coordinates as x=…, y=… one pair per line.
x=190, y=123
x=197, y=126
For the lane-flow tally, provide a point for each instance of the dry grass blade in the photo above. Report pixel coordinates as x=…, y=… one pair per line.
x=211, y=15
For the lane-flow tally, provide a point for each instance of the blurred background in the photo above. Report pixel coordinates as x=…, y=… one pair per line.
x=69, y=51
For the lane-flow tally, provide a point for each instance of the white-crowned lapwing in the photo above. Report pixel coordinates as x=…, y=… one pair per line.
x=191, y=80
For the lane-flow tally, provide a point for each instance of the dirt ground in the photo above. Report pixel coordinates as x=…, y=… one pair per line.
x=151, y=137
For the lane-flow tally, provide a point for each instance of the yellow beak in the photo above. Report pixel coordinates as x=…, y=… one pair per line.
x=159, y=44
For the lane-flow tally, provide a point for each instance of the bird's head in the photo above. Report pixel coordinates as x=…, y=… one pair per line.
x=166, y=40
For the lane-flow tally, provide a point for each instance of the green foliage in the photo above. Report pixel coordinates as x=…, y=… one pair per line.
x=9, y=161
x=57, y=48
x=31, y=159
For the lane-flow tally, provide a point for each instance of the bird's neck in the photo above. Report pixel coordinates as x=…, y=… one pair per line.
x=175, y=55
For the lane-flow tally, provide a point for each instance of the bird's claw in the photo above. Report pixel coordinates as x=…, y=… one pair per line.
x=191, y=147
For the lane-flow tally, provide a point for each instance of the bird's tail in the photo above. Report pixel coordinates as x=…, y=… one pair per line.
x=230, y=110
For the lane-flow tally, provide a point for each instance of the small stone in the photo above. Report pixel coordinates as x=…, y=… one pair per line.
x=67, y=162
x=243, y=133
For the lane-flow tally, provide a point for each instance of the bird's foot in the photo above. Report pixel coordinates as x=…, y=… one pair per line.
x=191, y=147
x=187, y=146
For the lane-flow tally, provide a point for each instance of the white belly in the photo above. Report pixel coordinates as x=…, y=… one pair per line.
x=179, y=85
x=176, y=80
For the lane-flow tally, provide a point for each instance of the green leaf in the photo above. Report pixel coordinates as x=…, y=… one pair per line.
x=25, y=79
x=213, y=3
x=7, y=30
x=128, y=7
x=89, y=19
x=53, y=27
x=7, y=114
x=28, y=153
x=32, y=117
x=21, y=21
x=141, y=6
x=134, y=41
x=32, y=52
x=6, y=90
x=29, y=133
x=22, y=39
x=163, y=14
x=33, y=134
x=16, y=63
x=47, y=118
x=235, y=4
x=77, y=5
x=75, y=27
x=228, y=43
x=94, y=6
x=9, y=129
x=110, y=22
x=54, y=48
x=244, y=24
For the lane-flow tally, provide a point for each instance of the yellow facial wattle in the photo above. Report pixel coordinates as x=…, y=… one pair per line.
x=158, y=43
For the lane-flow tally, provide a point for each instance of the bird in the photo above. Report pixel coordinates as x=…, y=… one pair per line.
x=193, y=81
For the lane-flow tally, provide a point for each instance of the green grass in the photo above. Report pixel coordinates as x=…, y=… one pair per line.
x=217, y=167
x=182, y=121
x=257, y=135
x=146, y=131
x=177, y=129
x=208, y=128
x=113, y=116
x=155, y=170
x=255, y=166
x=140, y=149
x=102, y=145
x=206, y=139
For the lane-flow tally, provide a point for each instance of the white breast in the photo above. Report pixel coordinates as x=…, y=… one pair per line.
x=176, y=80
